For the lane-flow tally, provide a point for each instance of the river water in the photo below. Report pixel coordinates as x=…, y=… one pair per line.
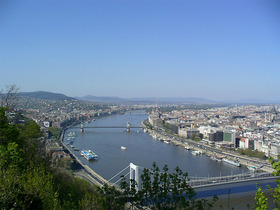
x=141, y=150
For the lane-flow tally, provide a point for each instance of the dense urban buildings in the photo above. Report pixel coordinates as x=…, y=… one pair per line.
x=255, y=127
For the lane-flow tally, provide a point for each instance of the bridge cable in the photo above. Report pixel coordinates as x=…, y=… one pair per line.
x=118, y=173
x=121, y=178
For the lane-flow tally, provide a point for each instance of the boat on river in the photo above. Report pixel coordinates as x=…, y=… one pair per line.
x=89, y=155
x=253, y=168
x=196, y=152
x=123, y=147
x=72, y=134
x=216, y=158
x=232, y=162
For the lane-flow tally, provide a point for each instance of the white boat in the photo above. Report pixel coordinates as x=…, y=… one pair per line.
x=187, y=148
x=253, y=168
x=216, y=158
x=195, y=152
x=89, y=155
x=72, y=134
x=145, y=131
x=123, y=147
x=232, y=162
x=166, y=142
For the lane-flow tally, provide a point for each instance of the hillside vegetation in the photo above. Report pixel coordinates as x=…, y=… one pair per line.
x=27, y=181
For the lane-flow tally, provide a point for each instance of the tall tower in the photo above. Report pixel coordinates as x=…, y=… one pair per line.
x=134, y=174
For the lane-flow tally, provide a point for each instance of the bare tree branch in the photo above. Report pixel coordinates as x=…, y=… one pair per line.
x=10, y=98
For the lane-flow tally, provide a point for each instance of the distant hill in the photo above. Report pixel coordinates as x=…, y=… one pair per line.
x=187, y=100
x=101, y=99
x=47, y=95
x=144, y=100
x=150, y=100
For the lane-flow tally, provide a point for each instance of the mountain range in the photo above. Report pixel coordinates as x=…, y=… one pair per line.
x=145, y=100
x=47, y=95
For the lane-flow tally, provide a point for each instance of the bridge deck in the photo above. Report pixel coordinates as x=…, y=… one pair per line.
x=112, y=127
x=202, y=182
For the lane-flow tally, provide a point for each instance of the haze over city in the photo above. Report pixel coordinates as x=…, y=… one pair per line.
x=217, y=50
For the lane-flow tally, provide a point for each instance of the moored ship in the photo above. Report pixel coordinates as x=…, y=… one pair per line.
x=216, y=158
x=89, y=155
x=253, y=168
x=196, y=152
x=232, y=162
x=72, y=134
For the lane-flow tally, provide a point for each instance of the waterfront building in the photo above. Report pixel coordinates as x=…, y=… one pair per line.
x=218, y=136
x=244, y=143
x=270, y=149
x=188, y=132
x=229, y=136
x=155, y=121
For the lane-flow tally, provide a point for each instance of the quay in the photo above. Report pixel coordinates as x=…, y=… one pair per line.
x=86, y=173
x=209, y=151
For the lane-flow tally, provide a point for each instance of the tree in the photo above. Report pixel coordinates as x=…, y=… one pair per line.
x=9, y=99
x=27, y=181
x=261, y=199
x=159, y=190
x=8, y=132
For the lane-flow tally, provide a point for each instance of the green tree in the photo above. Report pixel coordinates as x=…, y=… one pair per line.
x=261, y=200
x=8, y=132
x=159, y=190
x=27, y=181
x=55, y=131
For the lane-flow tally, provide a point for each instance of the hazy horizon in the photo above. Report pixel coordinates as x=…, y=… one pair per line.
x=215, y=50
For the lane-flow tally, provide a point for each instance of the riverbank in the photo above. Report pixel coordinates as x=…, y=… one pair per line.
x=209, y=151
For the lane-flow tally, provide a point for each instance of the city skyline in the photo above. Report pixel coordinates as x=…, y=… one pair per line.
x=207, y=49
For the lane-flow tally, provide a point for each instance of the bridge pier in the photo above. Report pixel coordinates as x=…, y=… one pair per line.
x=127, y=127
x=82, y=127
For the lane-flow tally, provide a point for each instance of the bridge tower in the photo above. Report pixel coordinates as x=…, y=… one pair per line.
x=82, y=127
x=134, y=174
x=127, y=127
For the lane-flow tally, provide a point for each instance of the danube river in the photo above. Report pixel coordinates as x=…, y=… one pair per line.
x=141, y=150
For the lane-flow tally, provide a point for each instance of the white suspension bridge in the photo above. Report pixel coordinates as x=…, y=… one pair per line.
x=135, y=172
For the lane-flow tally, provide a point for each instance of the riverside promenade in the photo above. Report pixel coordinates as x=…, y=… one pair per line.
x=209, y=151
x=86, y=172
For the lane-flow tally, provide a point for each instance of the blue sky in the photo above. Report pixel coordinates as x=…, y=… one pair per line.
x=211, y=49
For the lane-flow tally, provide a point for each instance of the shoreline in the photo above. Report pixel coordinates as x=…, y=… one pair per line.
x=195, y=146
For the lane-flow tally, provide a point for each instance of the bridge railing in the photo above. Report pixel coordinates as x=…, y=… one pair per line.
x=202, y=181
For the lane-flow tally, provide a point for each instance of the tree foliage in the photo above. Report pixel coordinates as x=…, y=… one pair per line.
x=261, y=200
x=158, y=190
x=251, y=153
x=27, y=181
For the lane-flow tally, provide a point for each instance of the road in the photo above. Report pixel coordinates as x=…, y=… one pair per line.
x=244, y=160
